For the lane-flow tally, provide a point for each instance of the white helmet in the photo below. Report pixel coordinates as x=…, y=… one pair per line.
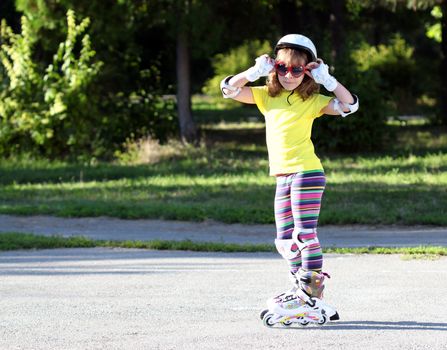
x=298, y=41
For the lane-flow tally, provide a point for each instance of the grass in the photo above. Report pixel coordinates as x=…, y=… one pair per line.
x=21, y=241
x=16, y=241
x=226, y=179
x=228, y=183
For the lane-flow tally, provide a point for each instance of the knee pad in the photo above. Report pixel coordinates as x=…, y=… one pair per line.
x=305, y=237
x=288, y=248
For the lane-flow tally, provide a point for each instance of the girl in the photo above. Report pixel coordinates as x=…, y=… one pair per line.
x=290, y=101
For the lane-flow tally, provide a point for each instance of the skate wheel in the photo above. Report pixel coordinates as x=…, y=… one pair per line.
x=263, y=312
x=287, y=323
x=304, y=323
x=323, y=320
x=268, y=320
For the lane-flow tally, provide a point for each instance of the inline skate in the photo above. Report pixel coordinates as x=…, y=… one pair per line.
x=302, y=304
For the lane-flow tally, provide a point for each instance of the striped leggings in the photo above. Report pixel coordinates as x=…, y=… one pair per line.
x=297, y=205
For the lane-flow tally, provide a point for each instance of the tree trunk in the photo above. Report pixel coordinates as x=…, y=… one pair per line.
x=443, y=77
x=188, y=130
x=336, y=22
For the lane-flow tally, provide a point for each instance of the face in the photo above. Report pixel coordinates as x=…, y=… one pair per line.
x=291, y=67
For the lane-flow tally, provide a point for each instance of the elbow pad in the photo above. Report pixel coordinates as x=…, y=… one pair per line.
x=229, y=91
x=339, y=106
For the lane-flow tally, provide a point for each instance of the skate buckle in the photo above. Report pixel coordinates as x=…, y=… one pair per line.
x=311, y=302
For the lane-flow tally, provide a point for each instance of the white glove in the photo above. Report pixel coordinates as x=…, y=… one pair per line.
x=263, y=66
x=321, y=76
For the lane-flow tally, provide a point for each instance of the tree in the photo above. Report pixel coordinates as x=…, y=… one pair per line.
x=443, y=66
x=337, y=28
x=188, y=129
x=410, y=18
x=438, y=32
x=202, y=28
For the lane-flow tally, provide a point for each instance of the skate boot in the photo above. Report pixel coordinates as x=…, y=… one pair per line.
x=302, y=304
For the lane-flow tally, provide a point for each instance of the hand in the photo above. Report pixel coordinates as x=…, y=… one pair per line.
x=319, y=71
x=263, y=66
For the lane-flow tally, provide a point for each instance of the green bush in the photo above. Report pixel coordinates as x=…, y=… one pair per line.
x=63, y=109
x=385, y=79
x=366, y=129
x=398, y=71
x=44, y=110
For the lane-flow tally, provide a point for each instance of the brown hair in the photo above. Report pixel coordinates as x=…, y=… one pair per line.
x=308, y=86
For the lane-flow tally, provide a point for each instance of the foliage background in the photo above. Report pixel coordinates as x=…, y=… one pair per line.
x=125, y=58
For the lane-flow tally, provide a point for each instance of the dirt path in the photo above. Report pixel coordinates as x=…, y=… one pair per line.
x=105, y=228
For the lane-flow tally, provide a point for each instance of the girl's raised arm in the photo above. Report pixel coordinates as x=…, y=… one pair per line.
x=234, y=86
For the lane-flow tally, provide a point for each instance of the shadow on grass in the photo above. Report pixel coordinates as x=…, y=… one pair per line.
x=238, y=202
x=105, y=172
x=227, y=153
x=231, y=162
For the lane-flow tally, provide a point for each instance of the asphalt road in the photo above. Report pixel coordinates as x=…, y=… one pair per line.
x=141, y=299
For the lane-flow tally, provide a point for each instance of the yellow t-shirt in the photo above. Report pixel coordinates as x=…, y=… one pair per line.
x=288, y=129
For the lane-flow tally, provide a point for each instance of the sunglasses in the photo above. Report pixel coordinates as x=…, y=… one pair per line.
x=296, y=71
